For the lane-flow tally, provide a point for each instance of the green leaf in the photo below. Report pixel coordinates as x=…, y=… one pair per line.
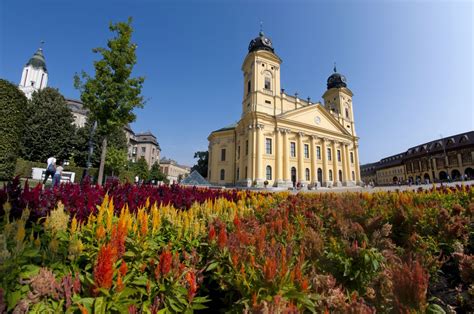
x=212, y=266
x=13, y=298
x=199, y=306
x=100, y=306
x=29, y=271
x=434, y=309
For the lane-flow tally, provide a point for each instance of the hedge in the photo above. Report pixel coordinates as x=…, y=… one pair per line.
x=24, y=168
x=12, y=106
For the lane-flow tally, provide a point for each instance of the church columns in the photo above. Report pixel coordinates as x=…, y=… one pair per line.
x=314, y=177
x=278, y=157
x=335, y=170
x=286, y=157
x=347, y=167
x=299, y=154
x=259, y=156
x=325, y=163
x=250, y=156
x=356, y=161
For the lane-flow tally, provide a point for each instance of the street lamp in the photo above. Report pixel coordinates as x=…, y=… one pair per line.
x=91, y=150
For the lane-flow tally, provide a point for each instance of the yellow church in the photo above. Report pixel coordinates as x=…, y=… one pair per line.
x=282, y=140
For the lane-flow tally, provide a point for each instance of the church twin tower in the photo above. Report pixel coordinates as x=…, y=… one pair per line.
x=282, y=140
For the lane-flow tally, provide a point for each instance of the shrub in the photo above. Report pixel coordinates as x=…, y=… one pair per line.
x=12, y=107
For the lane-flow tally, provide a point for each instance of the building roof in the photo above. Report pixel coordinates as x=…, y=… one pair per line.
x=226, y=128
x=76, y=106
x=195, y=179
x=336, y=80
x=147, y=137
x=169, y=161
x=261, y=42
x=38, y=61
x=439, y=146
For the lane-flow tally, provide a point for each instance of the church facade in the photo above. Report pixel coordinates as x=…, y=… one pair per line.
x=282, y=140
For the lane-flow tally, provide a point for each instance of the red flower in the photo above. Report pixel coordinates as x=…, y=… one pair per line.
x=104, y=269
x=222, y=239
x=119, y=232
x=123, y=268
x=166, y=259
x=120, y=285
x=212, y=233
x=269, y=269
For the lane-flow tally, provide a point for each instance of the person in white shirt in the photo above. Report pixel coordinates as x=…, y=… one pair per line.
x=57, y=175
x=50, y=169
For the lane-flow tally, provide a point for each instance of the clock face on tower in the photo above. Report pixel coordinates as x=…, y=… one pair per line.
x=267, y=41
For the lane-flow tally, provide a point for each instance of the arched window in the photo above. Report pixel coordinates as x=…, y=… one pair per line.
x=340, y=175
x=222, y=174
x=330, y=175
x=307, y=174
x=353, y=176
x=269, y=173
x=320, y=175
x=347, y=113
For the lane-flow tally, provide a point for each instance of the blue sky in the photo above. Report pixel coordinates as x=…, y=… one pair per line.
x=408, y=63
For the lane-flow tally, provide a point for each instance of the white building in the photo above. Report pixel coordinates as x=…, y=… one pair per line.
x=35, y=74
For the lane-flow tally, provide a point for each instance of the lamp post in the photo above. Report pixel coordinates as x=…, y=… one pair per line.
x=91, y=150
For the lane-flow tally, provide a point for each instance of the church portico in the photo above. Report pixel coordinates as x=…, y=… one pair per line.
x=282, y=140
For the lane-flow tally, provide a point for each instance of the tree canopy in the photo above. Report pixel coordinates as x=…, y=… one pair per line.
x=48, y=128
x=12, y=119
x=202, y=163
x=112, y=94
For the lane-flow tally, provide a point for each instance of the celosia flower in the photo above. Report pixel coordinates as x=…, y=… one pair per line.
x=269, y=269
x=166, y=259
x=58, y=219
x=222, y=238
x=100, y=232
x=120, y=285
x=119, y=233
x=212, y=233
x=104, y=268
x=192, y=285
x=123, y=268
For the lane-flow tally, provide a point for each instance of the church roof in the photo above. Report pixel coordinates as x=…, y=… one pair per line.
x=336, y=80
x=261, y=42
x=226, y=128
x=38, y=61
x=196, y=179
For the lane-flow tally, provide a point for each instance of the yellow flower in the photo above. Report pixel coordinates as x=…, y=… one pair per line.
x=57, y=220
x=73, y=225
x=53, y=245
x=20, y=232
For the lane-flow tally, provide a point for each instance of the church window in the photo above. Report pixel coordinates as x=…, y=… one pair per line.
x=268, y=146
x=41, y=82
x=246, y=176
x=353, y=176
x=269, y=173
x=340, y=175
x=306, y=151
x=329, y=154
x=330, y=175
x=293, y=149
x=246, y=147
x=268, y=102
x=352, y=157
x=248, y=87
x=338, y=155
x=307, y=174
x=268, y=85
x=223, y=154
x=222, y=174
x=347, y=113
x=238, y=174
x=318, y=152
x=238, y=152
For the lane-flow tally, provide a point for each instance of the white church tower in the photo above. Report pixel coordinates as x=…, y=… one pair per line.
x=35, y=74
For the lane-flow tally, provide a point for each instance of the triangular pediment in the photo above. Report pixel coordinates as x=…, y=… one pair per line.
x=316, y=116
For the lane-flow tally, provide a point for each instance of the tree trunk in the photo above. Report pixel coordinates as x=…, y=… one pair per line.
x=102, y=161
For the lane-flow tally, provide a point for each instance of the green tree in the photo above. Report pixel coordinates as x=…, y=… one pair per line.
x=116, y=139
x=112, y=94
x=116, y=160
x=156, y=174
x=140, y=169
x=12, y=118
x=49, y=129
x=202, y=163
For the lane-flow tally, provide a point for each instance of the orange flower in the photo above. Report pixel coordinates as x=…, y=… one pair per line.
x=304, y=285
x=192, y=285
x=104, y=268
x=269, y=269
x=100, y=232
x=123, y=268
x=237, y=221
x=119, y=232
x=120, y=285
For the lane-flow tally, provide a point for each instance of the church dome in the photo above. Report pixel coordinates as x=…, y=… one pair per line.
x=261, y=43
x=336, y=80
x=38, y=61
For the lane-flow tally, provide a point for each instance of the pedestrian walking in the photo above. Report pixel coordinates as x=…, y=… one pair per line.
x=57, y=175
x=50, y=169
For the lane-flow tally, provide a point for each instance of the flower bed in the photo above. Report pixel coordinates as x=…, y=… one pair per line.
x=236, y=251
